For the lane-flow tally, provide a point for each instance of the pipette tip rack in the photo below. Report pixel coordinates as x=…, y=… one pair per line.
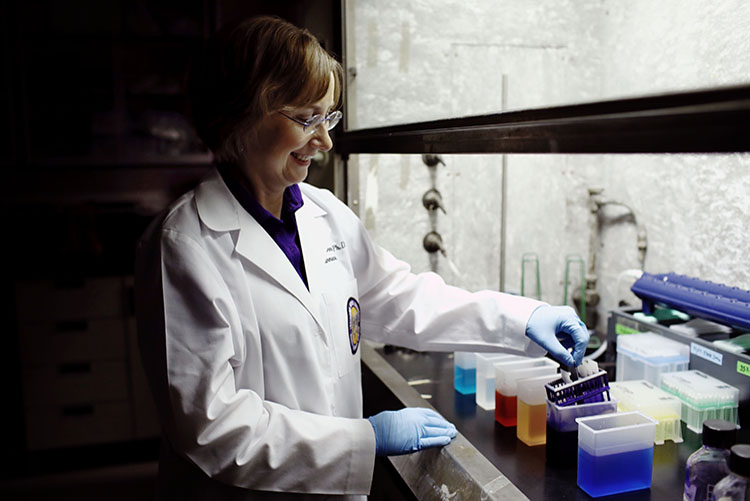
x=585, y=390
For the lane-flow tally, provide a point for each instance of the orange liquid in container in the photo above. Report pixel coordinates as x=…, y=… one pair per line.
x=532, y=423
x=505, y=409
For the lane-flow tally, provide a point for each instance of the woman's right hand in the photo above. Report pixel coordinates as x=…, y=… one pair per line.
x=410, y=430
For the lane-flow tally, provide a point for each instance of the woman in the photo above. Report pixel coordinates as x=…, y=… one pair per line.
x=253, y=289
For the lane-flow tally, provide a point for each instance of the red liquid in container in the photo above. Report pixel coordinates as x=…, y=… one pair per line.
x=506, y=409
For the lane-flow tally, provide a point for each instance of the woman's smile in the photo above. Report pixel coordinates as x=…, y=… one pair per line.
x=301, y=160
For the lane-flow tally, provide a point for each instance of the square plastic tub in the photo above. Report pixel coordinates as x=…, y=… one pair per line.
x=648, y=356
x=562, y=429
x=465, y=372
x=485, y=381
x=615, y=453
x=703, y=397
x=531, y=422
x=640, y=395
x=507, y=375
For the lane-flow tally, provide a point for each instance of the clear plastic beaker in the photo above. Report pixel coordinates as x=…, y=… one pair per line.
x=615, y=453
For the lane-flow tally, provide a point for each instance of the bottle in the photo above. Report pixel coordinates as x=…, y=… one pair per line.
x=708, y=465
x=736, y=485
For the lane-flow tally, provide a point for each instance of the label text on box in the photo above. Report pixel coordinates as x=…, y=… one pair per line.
x=706, y=353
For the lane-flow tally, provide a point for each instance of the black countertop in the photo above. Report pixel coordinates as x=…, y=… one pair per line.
x=526, y=466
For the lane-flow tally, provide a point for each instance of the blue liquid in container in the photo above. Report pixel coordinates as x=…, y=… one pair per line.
x=614, y=473
x=465, y=380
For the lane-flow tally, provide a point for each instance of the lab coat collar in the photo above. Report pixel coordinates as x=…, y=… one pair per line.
x=217, y=207
x=220, y=211
x=311, y=235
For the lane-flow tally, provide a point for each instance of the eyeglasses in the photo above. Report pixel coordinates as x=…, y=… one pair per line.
x=311, y=125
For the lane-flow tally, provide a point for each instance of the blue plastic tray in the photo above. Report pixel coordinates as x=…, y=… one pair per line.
x=696, y=297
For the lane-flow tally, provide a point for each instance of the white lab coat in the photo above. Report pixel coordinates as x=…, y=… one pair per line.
x=257, y=380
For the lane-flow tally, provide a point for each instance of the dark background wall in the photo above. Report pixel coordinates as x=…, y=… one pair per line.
x=94, y=141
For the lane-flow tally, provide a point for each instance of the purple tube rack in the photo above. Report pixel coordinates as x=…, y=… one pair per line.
x=586, y=390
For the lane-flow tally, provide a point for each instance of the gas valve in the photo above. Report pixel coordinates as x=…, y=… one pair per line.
x=432, y=160
x=432, y=199
x=433, y=242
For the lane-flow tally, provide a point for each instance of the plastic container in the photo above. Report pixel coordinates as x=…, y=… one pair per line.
x=507, y=375
x=562, y=429
x=706, y=466
x=465, y=372
x=640, y=395
x=485, y=380
x=648, y=356
x=615, y=453
x=736, y=485
x=531, y=425
x=703, y=397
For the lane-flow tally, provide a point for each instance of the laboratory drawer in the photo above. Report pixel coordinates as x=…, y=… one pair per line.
x=89, y=298
x=76, y=382
x=48, y=342
x=52, y=426
x=144, y=409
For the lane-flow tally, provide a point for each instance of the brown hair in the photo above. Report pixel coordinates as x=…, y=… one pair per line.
x=249, y=71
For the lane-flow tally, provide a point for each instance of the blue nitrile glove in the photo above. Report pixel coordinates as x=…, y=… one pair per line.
x=557, y=328
x=409, y=430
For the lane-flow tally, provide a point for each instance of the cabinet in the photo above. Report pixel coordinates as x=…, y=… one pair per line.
x=82, y=379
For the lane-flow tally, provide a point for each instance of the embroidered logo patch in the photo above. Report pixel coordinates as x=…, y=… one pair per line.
x=352, y=309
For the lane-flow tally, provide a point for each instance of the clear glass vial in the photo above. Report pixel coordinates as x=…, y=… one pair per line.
x=706, y=466
x=736, y=485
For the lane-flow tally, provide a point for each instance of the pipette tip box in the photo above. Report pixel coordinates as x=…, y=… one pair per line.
x=703, y=397
x=648, y=356
x=640, y=395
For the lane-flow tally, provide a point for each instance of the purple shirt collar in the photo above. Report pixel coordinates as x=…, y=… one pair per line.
x=283, y=231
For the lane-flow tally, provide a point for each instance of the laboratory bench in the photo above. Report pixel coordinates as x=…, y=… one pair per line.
x=486, y=460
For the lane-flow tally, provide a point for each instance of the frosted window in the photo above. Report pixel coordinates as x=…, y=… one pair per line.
x=694, y=209
x=414, y=61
